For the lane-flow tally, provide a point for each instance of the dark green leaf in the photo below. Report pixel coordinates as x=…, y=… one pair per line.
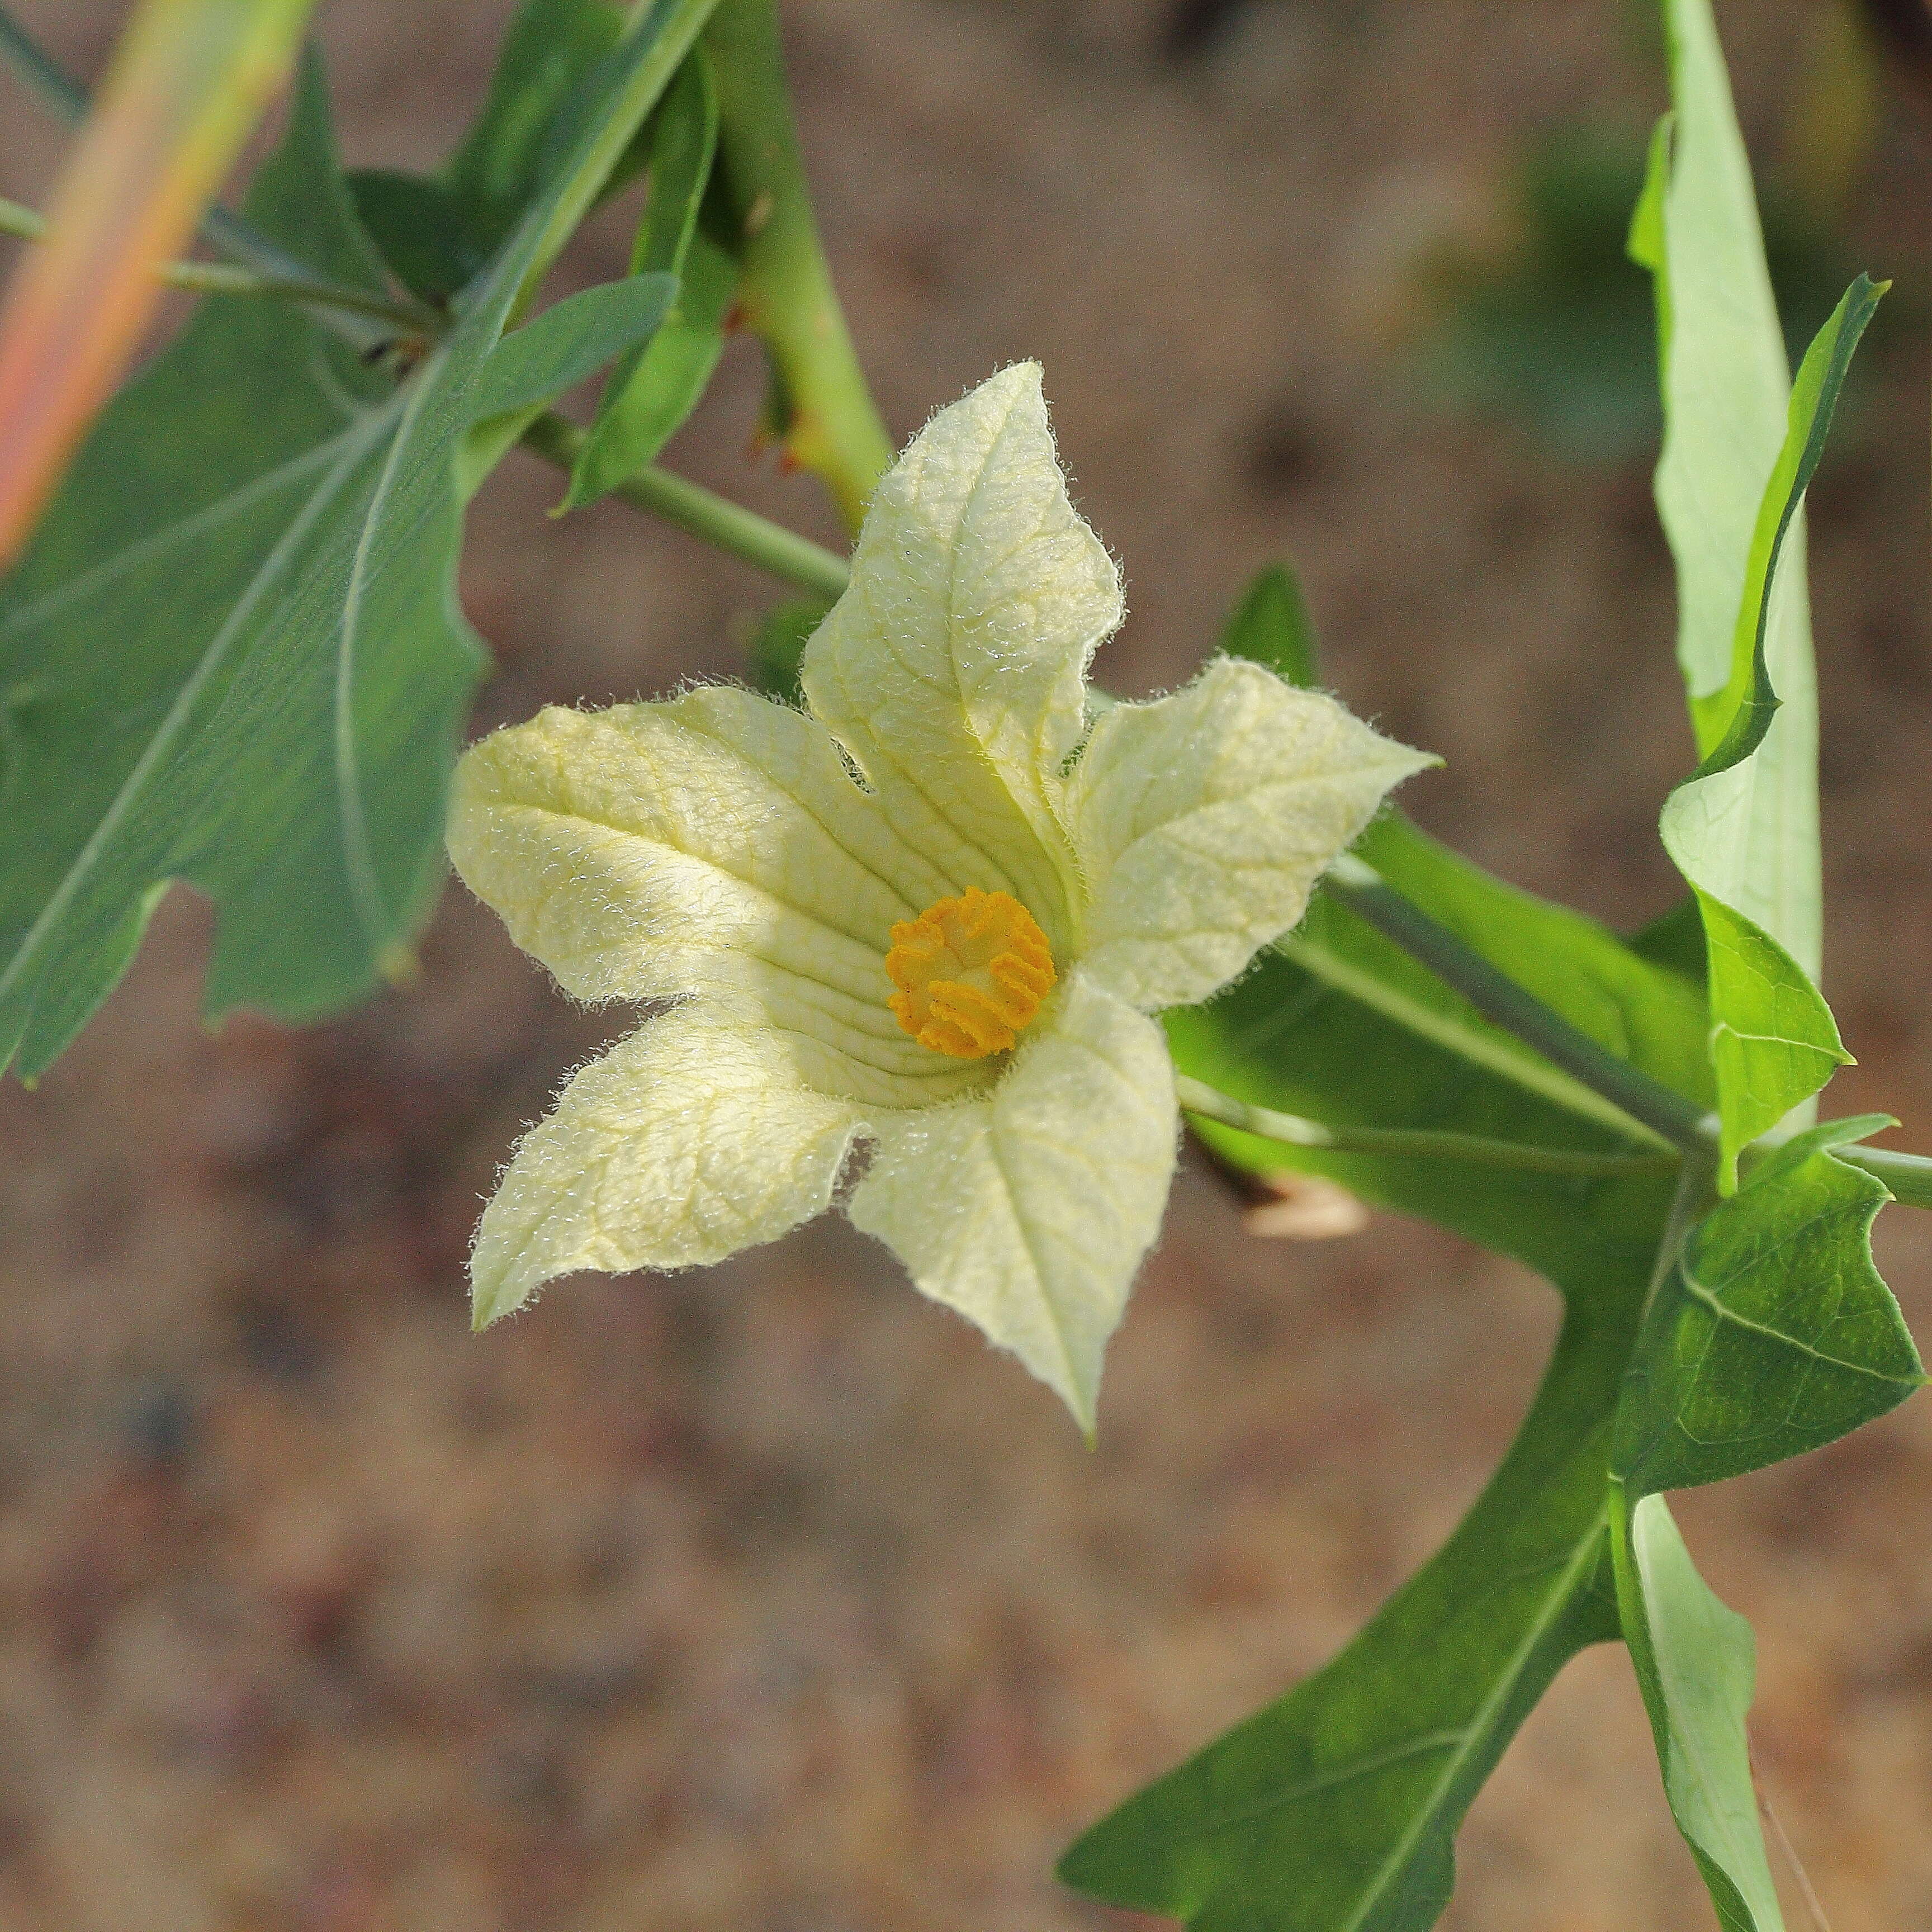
x=1340, y=1025
x=234, y=656
x=549, y=53
x=1676, y=940
x=1773, y=1334
x=420, y=228
x=778, y=648
x=1271, y=626
x=1338, y=1806
x=1695, y=1662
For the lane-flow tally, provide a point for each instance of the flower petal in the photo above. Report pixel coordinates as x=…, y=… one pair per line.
x=951, y=668
x=687, y=1142
x=1203, y=820
x=1029, y=1211
x=716, y=843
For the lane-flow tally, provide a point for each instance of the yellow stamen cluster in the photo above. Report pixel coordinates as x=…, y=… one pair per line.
x=971, y=971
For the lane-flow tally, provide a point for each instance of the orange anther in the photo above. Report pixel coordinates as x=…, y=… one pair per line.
x=971, y=972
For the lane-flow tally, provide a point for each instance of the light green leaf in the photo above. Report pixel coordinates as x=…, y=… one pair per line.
x=1774, y=1333
x=1695, y=1662
x=654, y=388
x=235, y=655
x=1338, y=1806
x=1740, y=446
x=573, y=340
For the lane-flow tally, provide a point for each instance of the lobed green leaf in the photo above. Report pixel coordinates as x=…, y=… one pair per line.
x=1773, y=1333
x=1741, y=444
x=1338, y=1806
x=235, y=655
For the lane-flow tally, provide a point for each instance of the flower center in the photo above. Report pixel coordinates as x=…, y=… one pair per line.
x=970, y=971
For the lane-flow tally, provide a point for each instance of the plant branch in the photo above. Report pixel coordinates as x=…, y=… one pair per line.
x=1293, y=1130
x=1649, y=1103
x=229, y=278
x=703, y=514
x=822, y=411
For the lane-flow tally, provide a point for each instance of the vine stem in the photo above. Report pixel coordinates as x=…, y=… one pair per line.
x=1197, y=1098
x=716, y=519
x=822, y=409
x=1656, y=1108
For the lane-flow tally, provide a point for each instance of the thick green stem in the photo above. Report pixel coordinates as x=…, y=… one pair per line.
x=1293, y=1130
x=715, y=519
x=824, y=413
x=1498, y=997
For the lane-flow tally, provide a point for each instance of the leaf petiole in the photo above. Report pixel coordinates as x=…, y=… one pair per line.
x=1293, y=1130
x=351, y=311
x=229, y=278
x=702, y=512
x=1909, y=1176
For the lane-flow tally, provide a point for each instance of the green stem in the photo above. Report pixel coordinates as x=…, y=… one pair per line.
x=823, y=411
x=715, y=519
x=1498, y=998
x=228, y=278
x=1908, y=1175
x=1292, y=1130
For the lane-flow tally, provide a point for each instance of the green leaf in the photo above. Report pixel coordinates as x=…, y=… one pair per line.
x=234, y=655
x=778, y=648
x=1774, y=1333
x=1740, y=447
x=549, y=51
x=569, y=341
x=1271, y=626
x=653, y=389
x=1340, y=1025
x=1338, y=1806
x=420, y=228
x=1695, y=1662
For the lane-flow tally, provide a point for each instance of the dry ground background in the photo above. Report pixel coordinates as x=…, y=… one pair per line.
x=766, y=1598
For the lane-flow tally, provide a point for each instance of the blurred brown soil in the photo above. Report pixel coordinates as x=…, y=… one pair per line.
x=767, y=1598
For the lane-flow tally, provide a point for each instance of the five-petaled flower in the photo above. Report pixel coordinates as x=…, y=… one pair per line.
x=933, y=912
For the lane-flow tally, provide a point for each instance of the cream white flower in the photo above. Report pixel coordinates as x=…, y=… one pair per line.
x=951, y=956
